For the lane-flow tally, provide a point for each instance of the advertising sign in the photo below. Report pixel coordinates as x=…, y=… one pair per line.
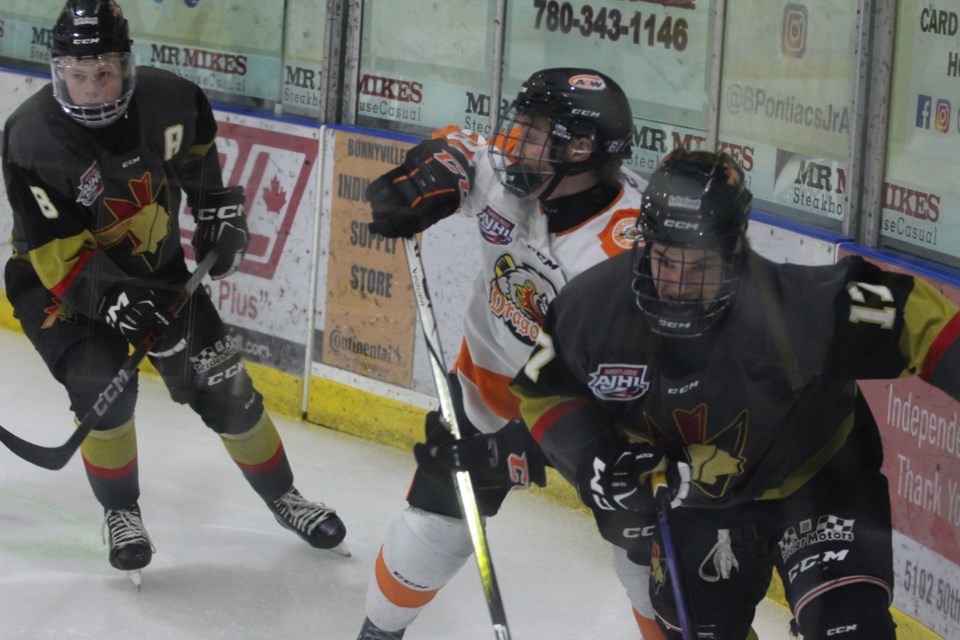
x=418, y=84
x=369, y=318
x=658, y=52
x=921, y=440
x=789, y=95
x=231, y=46
x=921, y=201
x=303, y=56
x=276, y=165
x=26, y=29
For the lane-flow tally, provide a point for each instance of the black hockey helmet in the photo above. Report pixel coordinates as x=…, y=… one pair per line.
x=91, y=42
x=696, y=202
x=575, y=103
x=88, y=28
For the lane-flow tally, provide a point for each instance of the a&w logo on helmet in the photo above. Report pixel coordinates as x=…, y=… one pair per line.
x=588, y=81
x=619, y=381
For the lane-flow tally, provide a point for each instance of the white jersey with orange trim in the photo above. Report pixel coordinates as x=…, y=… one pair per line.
x=523, y=268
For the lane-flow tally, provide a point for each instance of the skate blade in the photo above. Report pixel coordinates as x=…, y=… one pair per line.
x=136, y=578
x=341, y=550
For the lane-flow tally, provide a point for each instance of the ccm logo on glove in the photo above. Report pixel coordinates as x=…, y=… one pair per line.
x=225, y=212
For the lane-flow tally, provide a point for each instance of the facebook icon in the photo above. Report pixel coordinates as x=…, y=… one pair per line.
x=923, y=111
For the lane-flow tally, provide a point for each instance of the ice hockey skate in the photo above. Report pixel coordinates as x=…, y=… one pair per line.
x=314, y=522
x=130, y=546
x=370, y=631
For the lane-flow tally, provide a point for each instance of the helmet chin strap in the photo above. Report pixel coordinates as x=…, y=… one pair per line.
x=568, y=169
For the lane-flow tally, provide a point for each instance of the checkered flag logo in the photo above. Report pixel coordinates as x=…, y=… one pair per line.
x=835, y=528
x=210, y=357
x=788, y=542
x=830, y=528
x=205, y=359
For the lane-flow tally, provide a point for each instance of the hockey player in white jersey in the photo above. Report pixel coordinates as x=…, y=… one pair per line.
x=550, y=199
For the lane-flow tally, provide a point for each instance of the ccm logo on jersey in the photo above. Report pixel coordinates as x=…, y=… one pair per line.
x=816, y=560
x=676, y=391
x=110, y=394
x=220, y=376
x=836, y=631
x=619, y=381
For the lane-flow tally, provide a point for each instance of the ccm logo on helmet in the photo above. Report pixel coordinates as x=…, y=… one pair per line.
x=86, y=40
x=588, y=81
x=681, y=225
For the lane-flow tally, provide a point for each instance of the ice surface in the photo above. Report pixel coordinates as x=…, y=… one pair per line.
x=224, y=569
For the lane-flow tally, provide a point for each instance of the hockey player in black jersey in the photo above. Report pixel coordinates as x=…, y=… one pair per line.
x=696, y=355
x=95, y=165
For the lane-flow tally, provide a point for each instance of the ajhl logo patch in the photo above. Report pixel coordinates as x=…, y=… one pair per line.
x=619, y=381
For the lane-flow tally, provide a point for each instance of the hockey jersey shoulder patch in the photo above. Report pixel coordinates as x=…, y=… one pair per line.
x=90, y=185
x=494, y=227
x=619, y=381
x=620, y=232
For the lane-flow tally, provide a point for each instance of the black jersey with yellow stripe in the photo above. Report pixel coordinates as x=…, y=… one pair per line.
x=95, y=206
x=758, y=405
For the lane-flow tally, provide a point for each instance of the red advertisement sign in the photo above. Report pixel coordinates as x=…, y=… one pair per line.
x=921, y=438
x=274, y=169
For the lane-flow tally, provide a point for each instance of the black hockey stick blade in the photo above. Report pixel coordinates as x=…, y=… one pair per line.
x=685, y=616
x=54, y=458
x=468, y=500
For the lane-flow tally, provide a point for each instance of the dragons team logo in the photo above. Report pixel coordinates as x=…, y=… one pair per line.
x=143, y=220
x=619, y=381
x=715, y=459
x=519, y=296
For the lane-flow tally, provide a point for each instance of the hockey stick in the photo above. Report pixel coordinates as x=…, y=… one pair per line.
x=688, y=626
x=468, y=500
x=54, y=458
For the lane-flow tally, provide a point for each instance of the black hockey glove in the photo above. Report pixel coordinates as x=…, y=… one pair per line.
x=221, y=226
x=617, y=476
x=141, y=316
x=430, y=185
x=509, y=458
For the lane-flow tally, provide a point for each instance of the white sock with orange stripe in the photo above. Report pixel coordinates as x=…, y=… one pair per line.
x=422, y=551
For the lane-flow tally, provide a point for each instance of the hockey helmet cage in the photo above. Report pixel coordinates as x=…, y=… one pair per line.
x=574, y=103
x=91, y=62
x=693, y=201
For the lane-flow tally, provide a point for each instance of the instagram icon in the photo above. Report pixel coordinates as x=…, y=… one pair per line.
x=793, y=34
x=941, y=116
